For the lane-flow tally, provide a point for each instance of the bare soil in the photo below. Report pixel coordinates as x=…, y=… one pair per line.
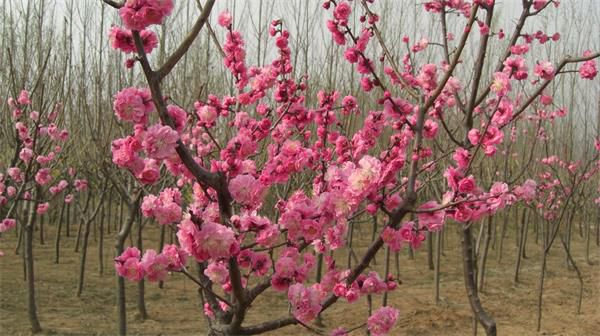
x=175, y=309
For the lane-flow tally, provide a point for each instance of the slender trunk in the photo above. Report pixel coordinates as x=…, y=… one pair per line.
x=79, y=231
x=526, y=232
x=84, y=248
x=386, y=273
x=469, y=277
x=436, y=274
x=568, y=238
x=42, y=220
x=502, y=234
x=541, y=289
x=588, y=233
x=579, y=276
x=86, y=235
x=161, y=244
x=31, y=304
x=68, y=226
x=521, y=245
x=119, y=247
x=101, y=247
x=141, y=302
x=58, y=230
x=486, y=245
x=430, y=250
x=319, y=276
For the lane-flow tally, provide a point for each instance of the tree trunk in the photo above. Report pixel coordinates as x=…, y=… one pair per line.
x=58, y=230
x=119, y=247
x=502, y=234
x=469, y=276
x=31, y=304
x=486, y=246
x=84, y=248
x=520, y=251
x=141, y=302
x=430, y=250
x=436, y=274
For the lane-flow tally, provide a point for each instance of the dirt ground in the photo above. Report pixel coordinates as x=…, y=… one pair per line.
x=174, y=310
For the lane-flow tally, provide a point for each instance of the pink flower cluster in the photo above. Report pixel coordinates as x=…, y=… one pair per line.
x=122, y=39
x=305, y=302
x=165, y=208
x=133, y=104
x=408, y=233
x=7, y=224
x=207, y=239
x=291, y=267
x=492, y=137
x=153, y=266
x=382, y=321
x=139, y=14
x=588, y=69
x=235, y=56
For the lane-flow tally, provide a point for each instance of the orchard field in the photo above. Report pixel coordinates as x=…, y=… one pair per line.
x=302, y=167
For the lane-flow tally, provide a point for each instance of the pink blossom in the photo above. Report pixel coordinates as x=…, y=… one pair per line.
x=122, y=39
x=34, y=115
x=430, y=129
x=178, y=115
x=128, y=264
x=382, y=321
x=139, y=14
x=500, y=84
x=11, y=191
x=206, y=114
x=420, y=45
x=212, y=240
x=392, y=238
x=499, y=196
x=125, y=153
x=462, y=157
x=154, y=265
x=175, y=256
x=342, y=11
x=539, y=4
x=15, y=174
x=588, y=69
x=160, y=141
x=519, y=49
x=133, y=104
x=544, y=70
x=365, y=177
x=165, y=208
x=432, y=220
x=225, y=19
x=526, y=191
x=246, y=190
x=305, y=302
x=7, y=224
x=467, y=184
x=217, y=272
x=24, y=98
x=80, y=184
x=42, y=177
x=151, y=172
x=26, y=154
x=408, y=234
x=42, y=208
x=545, y=100
x=69, y=198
